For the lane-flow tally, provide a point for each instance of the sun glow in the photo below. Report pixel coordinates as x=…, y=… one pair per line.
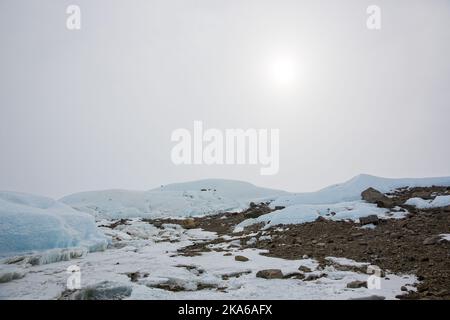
x=283, y=71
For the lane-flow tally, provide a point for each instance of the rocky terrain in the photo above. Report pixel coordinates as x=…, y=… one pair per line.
x=367, y=238
x=409, y=245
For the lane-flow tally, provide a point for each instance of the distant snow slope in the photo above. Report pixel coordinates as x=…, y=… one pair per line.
x=351, y=189
x=233, y=189
x=181, y=199
x=339, y=202
x=29, y=223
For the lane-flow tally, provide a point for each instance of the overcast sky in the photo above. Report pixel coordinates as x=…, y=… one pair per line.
x=95, y=108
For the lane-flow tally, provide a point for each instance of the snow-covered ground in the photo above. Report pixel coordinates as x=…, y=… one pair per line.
x=31, y=225
x=152, y=256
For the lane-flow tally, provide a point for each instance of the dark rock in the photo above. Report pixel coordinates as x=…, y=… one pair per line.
x=321, y=219
x=321, y=244
x=134, y=276
x=312, y=277
x=374, y=196
x=431, y=240
x=373, y=297
x=189, y=224
x=294, y=275
x=357, y=284
x=241, y=258
x=369, y=219
x=270, y=274
x=441, y=293
x=355, y=235
x=117, y=223
x=304, y=269
x=235, y=274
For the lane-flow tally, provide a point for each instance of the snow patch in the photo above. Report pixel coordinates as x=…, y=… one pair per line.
x=298, y=214
x=439, y=201
x=347, y=262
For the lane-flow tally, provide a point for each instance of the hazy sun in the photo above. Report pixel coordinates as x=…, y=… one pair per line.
x=283, y=71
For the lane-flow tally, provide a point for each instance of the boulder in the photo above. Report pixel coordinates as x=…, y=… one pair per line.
x=241, y=258
x=313, y=276
x=270, y=274
x=294, y=275
x=372, y=297
x=431, y=240
x=372, y=195
x=304, y=269
x=321, y=244
x=189, y=224
x=369, y=219
x=357, y=284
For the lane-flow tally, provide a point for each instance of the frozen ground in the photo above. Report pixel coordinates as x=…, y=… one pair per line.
x=142, y=261
x=149, y=257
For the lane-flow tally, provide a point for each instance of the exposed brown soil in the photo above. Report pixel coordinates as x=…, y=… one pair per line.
x=403, y=194
x=222, y=223
x=395, y=245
